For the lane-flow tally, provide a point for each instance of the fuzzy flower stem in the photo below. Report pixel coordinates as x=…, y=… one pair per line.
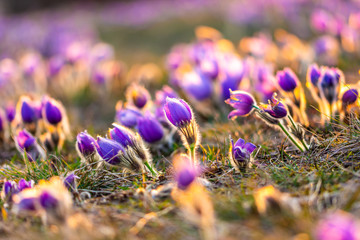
x=290, y=137
x=295, y=127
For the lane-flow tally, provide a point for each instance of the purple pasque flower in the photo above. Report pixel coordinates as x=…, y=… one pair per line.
x=150, y=129
x=185, y=172
x=178, y=112
x=23, y=184
x=165, y=92
x=338, y=226
x=275, y=108
x=243, y=103
x=313, y=74
x=70, y=181
x=48, y=201
x=9, y=188
x=329, y=84
x=196, y=85
x=233, y=73
x=287, y=80
x=122, y=135
x=350, y=96
x=52, y=111
x=109, y=150
x=85, y=144
x=25, y=141
x=209, y=67
x=27, y=110
x=137, y=95
x=240, y=152
x=10, y=112
x=26, y=144
x=127, y=116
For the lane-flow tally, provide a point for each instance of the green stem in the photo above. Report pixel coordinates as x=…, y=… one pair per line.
x=153, y=172
x=290, y=137
x=295, y=127
x=192, y=154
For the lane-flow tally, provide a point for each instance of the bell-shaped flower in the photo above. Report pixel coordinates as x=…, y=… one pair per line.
x=52, y=111
x=240, y=153
x=243, y=103
x=178, y=112
x=150, y=129
x=109, y=150
x=10, y=112
x=85, y=145
x=287, y=80
x=26, y=110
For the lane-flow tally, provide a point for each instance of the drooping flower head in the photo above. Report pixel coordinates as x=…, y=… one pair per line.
x=52, y=111
x=127, y=116
x=243, y=103
x=109, y=150
x=85, y=144
x=137, y=95
x=287, y=80
x=178, y=112
x=150, y=129
x=240, y=153
x=275, y=108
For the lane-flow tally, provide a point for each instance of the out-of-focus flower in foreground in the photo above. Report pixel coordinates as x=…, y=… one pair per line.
x=338, y=226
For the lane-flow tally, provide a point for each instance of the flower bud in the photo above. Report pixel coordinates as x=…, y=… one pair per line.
x=27, y=110
x=10, y=112
x=137, y=95
x=150, y=129
x=26, y=144
x=178, y=112
x=127, y=116
x=329, y=84
x=70, y=182
x=287, y=80
x=122, y=135
x=314, y=74
x=350, y=96
x=109, y=150
x=9, y=188
x=85, y=144
x=52, y=111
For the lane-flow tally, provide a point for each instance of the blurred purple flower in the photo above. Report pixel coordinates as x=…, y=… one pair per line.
x=166, y=91
x=23, y=184
x=27, y=111
x=196, y=85
x=127, y=116
x=329, y=84
x=52, y=112
x=350, y=96
x=70, y=182
x=314, y=74
x=287, y=80
x=10, y=111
